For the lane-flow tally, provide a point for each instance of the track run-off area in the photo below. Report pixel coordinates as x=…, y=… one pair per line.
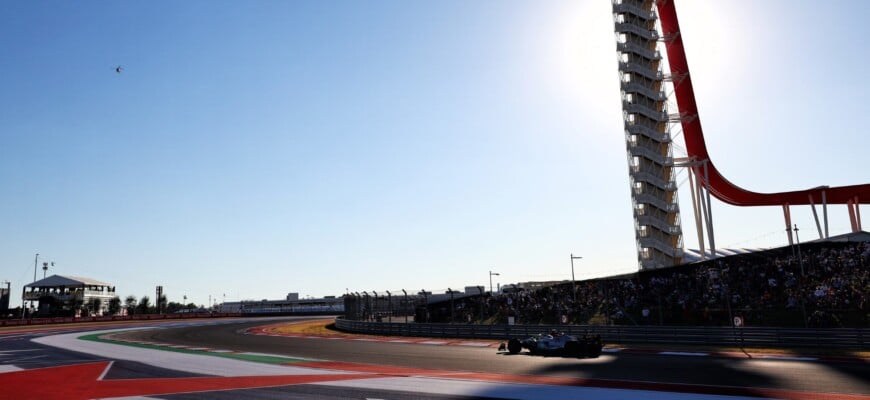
x=296, y=358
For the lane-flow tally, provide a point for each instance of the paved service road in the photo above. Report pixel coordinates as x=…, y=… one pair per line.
x=608, y=370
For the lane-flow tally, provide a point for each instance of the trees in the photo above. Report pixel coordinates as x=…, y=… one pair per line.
x=115, y=305
x=130, y=303
x=144, y=306
x=161, y=304
x=172, y=307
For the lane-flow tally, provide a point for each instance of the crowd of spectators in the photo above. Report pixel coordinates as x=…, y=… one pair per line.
x=815, y=284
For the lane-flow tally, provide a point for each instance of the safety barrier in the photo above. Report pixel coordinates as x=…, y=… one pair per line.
x=851, y=338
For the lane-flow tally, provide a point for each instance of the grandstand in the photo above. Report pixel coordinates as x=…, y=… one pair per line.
x=823, y=283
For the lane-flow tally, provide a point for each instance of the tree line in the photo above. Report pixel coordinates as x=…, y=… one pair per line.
x=133, y=306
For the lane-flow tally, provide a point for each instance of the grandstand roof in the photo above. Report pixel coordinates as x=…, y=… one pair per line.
x=693, y=255
x=66, y=281
x=860, y=236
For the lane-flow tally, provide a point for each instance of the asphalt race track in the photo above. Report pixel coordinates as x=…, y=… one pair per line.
x=842, y=377
x=216, y=359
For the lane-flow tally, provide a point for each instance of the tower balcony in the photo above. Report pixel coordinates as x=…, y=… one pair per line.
x=627, y=27
x=644, y=90
x=645, y=52
x=620, y=7
x=658, y=116
x=642, y=70
x=646, y=131
x=650, y=154
x=656, y=202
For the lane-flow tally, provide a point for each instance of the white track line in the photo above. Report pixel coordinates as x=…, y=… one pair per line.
x=193, y=363
x=473, y=344
x=456, y=387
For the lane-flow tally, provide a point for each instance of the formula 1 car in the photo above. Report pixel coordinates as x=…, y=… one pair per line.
x=558, y=344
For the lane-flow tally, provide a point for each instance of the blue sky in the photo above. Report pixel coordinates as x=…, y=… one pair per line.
x=259, y=148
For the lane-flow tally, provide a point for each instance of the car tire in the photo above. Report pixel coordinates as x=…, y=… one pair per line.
x=594, y=349
x=514, y=346
x=572, y=349
x=595, y=346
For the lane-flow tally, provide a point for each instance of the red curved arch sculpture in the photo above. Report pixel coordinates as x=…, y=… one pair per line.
x=718, y=186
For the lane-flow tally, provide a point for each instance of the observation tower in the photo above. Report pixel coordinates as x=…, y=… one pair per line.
x=647, y=136
x=651, y=164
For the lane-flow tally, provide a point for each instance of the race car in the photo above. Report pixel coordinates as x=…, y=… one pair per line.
x=558, y=344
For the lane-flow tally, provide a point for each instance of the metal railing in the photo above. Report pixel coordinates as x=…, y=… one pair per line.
x=638, y=129
x=851, y=338
x=653, y=154
x=626, y=27
x=646, y=111
x=621, y=8
x=645, y=71
x=635, y=87
x=645, y=198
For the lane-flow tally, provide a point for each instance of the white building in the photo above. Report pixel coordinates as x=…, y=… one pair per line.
x=65, y=295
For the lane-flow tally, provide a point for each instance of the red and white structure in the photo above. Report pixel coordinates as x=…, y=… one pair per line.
x=651, y=163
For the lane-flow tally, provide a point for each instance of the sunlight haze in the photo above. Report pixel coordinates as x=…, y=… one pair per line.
x=247, y=150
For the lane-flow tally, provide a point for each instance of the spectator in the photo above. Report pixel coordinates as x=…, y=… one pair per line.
x=827, y=286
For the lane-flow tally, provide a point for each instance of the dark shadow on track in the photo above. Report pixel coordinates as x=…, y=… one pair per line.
x=625, y=367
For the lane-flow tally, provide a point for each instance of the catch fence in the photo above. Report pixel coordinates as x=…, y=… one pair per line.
x=842, y=338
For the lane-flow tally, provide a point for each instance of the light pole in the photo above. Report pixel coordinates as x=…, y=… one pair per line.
x=45, y=268
x=390, y=304
x=366, y=307
x=426, y=304
x=405, y=307
x=8, y=291
x=800, y=259
x=801, y=285
x=490, y=280
x=449, y=290
x=574, y=282
x=35, y=262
